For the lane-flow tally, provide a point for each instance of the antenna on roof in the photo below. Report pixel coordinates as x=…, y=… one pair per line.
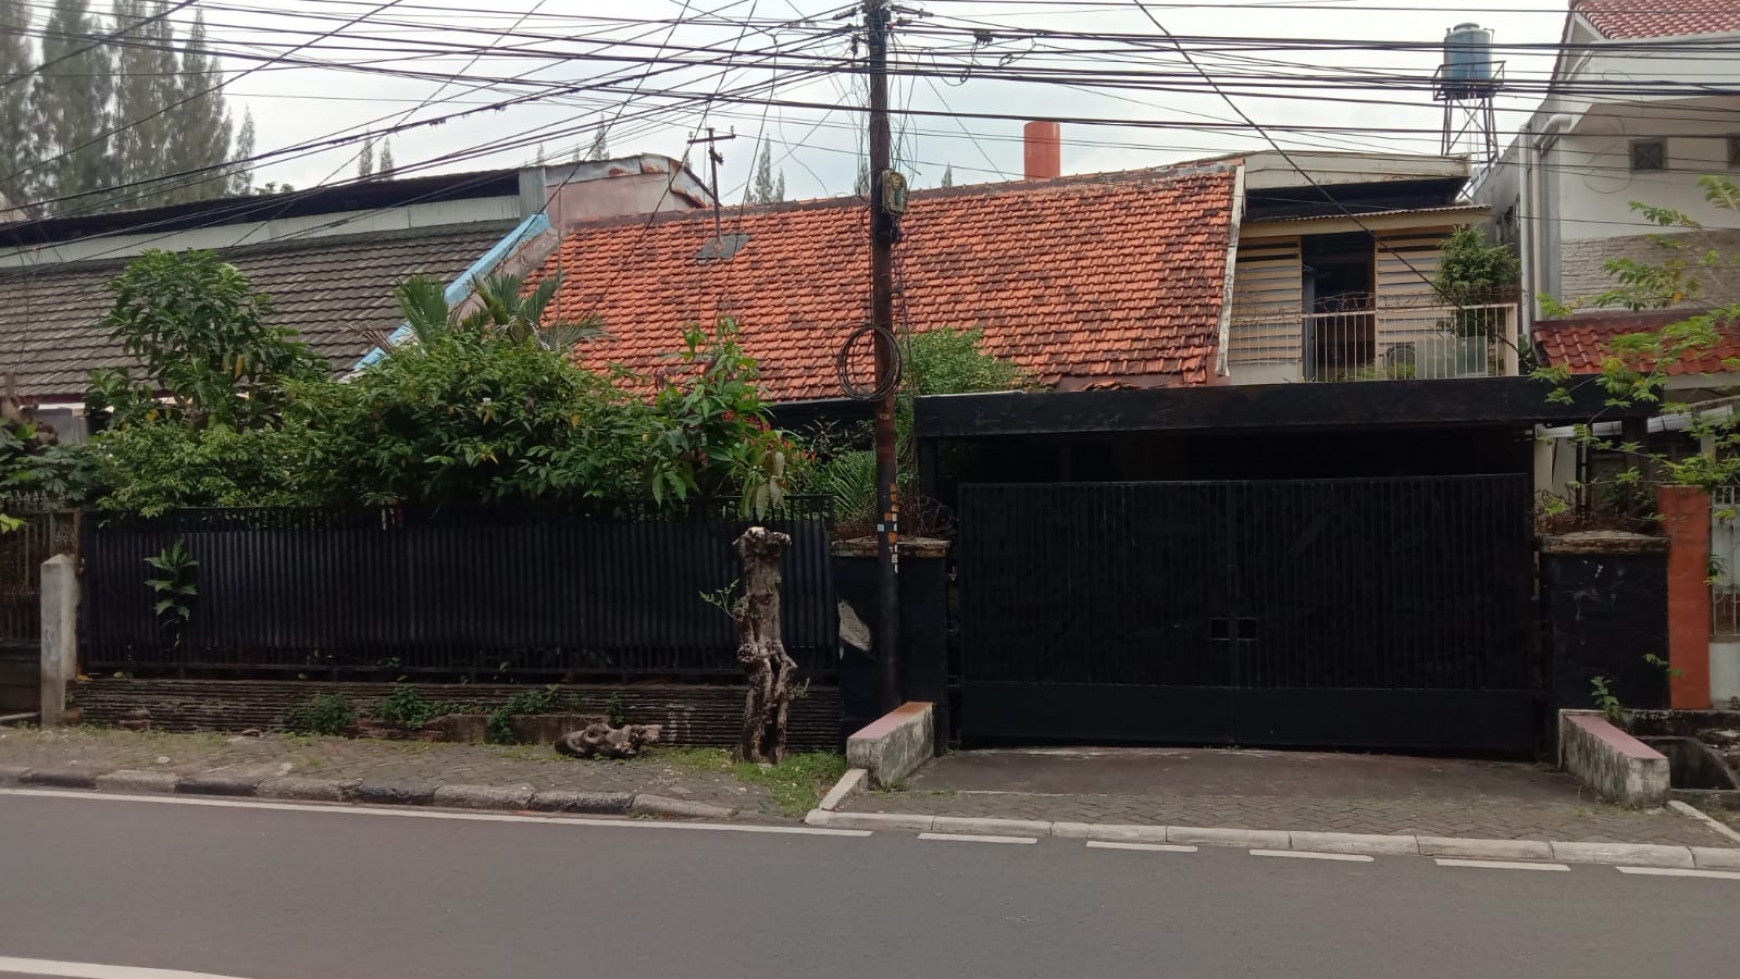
x=715, y=158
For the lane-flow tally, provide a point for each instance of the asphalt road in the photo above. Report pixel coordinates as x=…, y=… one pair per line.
x=262, y=893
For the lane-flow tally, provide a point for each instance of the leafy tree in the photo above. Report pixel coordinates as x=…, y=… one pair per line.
x=600, y=145
x=861, y=185
x=940, y=361
x=384, y=168
x=19, y=146
x=470, y=415
x=502, y=306
x=1635, y=369
x=242, y=175
x=72, y=95
x=765, y=189
x=153, y=468
x=145, y=82
x=199, y=136
x=1471, y=271
x=203, y=337
x=365, y=160
x=948, y=177
x=712, y=436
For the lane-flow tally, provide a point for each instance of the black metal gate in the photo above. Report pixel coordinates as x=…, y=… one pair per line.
x=1350, y=613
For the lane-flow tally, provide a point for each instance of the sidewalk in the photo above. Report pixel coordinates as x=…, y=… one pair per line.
x=692, y=775
x=1280, y=790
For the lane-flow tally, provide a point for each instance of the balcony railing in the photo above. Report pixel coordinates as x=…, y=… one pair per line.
x=1377, y=343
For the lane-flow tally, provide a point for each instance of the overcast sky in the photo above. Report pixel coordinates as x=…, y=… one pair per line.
x=817, y=149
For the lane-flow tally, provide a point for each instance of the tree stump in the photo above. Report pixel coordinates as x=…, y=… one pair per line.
x=760, y=650
x=602, y=740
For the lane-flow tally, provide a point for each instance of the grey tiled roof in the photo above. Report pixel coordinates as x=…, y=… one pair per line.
x=334, y=291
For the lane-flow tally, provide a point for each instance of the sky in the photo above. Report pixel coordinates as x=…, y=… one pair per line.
x=818, y=148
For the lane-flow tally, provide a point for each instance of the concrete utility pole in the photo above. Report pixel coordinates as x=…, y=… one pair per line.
x=886, y=188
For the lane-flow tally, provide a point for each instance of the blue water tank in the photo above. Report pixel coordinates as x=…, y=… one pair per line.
x=1468, y=60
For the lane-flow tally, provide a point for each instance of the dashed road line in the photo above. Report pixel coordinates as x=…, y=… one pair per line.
x=1308, y=855
x=1148, y=847
x=1680, y=872
x=975, y=838
x=1499, y=864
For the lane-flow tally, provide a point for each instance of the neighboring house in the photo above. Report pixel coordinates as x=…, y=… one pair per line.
x=328, y=258
x=1635, y=113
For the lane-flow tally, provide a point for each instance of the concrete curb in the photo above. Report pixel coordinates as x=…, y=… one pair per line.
x=520, y=798
x=596, y=803
x=218, y=785
x=137, y=780
x=1365, y=844
x=484, y=797
x=58, y=778
x=658, y=805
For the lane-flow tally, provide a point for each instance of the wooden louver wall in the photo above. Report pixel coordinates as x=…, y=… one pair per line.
x=1267, y=302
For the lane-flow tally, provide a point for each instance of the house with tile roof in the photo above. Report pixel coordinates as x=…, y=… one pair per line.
x=1641, y=105
x=329, y=257
x=1246, y=269
x=1082, y=281
x=1640, y=108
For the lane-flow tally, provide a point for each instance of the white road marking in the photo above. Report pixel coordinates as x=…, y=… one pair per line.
x=1499, y=864
x=1151, y=847
x=93, y=970
x=1679, y=872
x=1306, y=855
x=972, y=838
x=553, y=819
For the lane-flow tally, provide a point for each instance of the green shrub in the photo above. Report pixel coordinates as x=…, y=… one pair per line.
x=407, y=707
x=323, y=713
x=500, y=729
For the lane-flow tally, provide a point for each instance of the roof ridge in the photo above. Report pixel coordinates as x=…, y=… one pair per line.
x=1112, y=178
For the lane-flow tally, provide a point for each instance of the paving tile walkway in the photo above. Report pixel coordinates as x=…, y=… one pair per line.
x=103, y=750
x=1281, y=791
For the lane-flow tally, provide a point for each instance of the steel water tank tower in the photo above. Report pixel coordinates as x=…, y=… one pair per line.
x=1466, y=82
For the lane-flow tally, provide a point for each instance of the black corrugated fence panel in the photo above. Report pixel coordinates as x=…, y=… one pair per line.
x=549, y=589
x=1207, y=611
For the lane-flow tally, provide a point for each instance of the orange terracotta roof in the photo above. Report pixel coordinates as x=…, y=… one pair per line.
x=1582, y=342
x=1077, y=280
x=1634, y=19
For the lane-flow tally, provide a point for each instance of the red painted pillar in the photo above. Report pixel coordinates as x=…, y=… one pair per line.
x=1685, y=512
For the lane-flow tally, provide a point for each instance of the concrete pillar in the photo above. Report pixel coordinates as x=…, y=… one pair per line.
x=1685, y=513
x=60, y=634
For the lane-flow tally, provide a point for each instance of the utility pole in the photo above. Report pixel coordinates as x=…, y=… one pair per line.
x=886, y=188
x=715, y=158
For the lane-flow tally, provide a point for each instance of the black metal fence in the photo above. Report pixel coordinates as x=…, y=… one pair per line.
x=571, y=590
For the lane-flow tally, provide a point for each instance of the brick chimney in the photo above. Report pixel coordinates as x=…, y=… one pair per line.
x=1044, y=154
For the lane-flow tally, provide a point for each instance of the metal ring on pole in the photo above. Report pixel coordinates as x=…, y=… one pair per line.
x=842, y=364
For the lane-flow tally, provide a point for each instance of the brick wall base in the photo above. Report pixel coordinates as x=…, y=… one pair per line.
x=691, y=714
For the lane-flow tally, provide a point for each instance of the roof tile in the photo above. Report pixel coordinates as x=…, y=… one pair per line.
x=1633, y=19
x=1122, y=273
